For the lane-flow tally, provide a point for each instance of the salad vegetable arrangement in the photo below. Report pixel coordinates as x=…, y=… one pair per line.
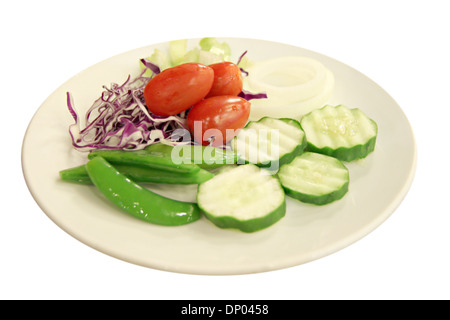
x=247, y=133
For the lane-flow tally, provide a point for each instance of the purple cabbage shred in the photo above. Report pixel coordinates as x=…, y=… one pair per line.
x=119, y=119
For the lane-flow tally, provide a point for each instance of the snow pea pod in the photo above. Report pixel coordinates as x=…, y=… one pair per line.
x=157, y=156
x=187, y=158
x=206, y=157
x=140, y=174
x=138, y=201
x=76, y=174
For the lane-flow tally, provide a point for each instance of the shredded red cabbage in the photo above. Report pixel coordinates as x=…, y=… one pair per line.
x=249, y=95
x=119, y=119
x=246, y=94
x=244, y=72
x=150, y=65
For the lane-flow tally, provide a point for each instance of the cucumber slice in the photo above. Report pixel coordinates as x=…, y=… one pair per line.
x=314, y=178
x=269, y=141
x=341, y=132
x=244, y=197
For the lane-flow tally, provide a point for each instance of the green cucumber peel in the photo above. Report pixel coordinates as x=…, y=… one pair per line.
x=248, y=226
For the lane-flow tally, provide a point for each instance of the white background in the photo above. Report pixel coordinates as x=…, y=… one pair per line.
x=401, y=45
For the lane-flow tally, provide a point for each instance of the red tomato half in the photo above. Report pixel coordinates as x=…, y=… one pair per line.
x=220, y=117
x=177, y=89
x=227, y=79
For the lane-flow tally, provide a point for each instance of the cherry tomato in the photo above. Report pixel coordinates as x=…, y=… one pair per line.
x=227, y=79
x=178, y=88
x=218, y=117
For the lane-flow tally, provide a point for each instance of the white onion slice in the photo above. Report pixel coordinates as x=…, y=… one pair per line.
x=294, y=86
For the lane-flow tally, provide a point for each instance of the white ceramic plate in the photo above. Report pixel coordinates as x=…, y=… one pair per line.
x=378, y=183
